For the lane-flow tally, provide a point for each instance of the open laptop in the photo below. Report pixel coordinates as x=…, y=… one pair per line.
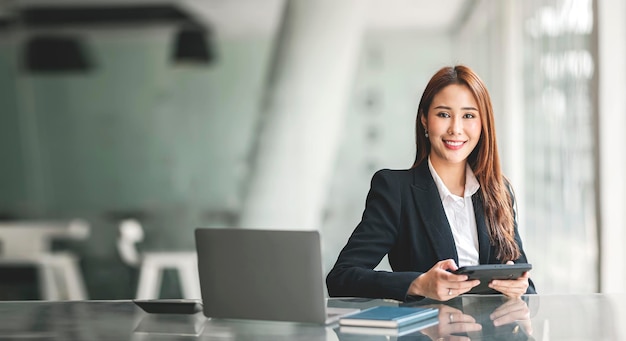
x=273, y=275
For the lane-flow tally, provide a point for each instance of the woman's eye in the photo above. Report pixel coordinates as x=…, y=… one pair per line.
x=443, y=114
x=468, y=115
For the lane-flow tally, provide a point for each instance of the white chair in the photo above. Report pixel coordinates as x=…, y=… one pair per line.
x=25, y=243
x=152, y=264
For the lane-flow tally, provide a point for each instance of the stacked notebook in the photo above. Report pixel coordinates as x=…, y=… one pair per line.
x=389, y=320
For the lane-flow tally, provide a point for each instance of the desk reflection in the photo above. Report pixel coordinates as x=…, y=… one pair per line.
x=468, y=318
x=184, y=327
x=197, y=327
x=493, y=317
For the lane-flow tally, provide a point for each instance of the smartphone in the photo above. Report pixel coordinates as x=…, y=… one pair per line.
x=169, y=306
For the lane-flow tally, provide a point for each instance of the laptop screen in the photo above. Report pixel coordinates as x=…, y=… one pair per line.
x=261, y=274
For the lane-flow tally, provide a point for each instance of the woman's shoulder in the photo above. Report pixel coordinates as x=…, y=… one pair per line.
x=401, y=175
x=395, y=172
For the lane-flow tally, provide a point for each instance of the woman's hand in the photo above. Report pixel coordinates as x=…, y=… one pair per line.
x=513, y=288
x=451, y=321
x=440, y=283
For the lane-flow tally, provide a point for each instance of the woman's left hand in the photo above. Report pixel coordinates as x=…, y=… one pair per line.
x=513, y=288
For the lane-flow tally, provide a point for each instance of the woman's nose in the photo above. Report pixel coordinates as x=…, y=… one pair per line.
x=455, y=127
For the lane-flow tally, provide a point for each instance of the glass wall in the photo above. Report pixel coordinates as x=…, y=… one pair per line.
x=537, y=60
x=559, y=122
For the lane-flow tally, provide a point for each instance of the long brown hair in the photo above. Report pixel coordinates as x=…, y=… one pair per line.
x=483, y=160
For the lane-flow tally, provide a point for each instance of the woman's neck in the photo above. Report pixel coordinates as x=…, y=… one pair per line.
x=452, y=175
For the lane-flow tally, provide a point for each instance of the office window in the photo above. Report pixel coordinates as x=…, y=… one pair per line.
x=559, y=158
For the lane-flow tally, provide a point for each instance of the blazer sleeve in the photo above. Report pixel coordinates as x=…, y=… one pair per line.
x=353, y=274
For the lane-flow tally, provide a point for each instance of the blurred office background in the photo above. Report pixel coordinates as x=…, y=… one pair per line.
x=284, y=109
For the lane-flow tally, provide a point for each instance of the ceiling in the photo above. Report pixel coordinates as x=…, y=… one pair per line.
x=415, y=14
x=254, y=17
x=250, y=16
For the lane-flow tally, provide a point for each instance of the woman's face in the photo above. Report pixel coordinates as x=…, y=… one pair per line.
x=453, y=124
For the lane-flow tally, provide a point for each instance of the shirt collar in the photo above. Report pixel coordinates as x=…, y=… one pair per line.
x=471, y=183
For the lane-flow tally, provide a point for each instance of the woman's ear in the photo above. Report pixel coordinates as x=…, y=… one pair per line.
x=423, y=120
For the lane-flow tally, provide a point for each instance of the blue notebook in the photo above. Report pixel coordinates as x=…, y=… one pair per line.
x=400, y=331
x=388, y=316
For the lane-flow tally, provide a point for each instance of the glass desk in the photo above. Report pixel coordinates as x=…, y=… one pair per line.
x=535, y=317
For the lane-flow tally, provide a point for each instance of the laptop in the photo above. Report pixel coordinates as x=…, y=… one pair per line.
x=273, y=275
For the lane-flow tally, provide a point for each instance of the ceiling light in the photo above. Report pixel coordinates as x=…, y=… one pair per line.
x=55, y=54
x=193, y=45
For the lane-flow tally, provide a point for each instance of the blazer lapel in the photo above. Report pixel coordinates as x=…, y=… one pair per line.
x=430, y=208
x=484, y=244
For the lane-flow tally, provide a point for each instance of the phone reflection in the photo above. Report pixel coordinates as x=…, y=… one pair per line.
x=152, y=326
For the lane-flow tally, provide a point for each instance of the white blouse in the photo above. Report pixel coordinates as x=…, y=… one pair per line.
x=460, y=214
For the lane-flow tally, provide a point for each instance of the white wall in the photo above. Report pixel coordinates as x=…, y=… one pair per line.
x=611, y=26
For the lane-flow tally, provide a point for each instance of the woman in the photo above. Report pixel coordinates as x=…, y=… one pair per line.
x=452, y=208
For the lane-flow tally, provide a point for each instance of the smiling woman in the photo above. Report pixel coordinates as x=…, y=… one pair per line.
x=452, y=208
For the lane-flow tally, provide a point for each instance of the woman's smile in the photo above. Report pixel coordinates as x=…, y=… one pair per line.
x=454, y=145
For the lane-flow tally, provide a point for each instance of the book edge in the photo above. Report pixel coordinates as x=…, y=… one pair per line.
x=388, y=322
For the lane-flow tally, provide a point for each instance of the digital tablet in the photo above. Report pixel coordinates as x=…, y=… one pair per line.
x=486, y=272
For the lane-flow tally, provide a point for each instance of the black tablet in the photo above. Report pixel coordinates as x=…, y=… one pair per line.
x=486, y=272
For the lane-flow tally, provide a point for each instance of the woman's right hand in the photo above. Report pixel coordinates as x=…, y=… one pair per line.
x=440, y=283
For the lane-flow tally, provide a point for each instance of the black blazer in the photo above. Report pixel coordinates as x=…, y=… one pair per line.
x=404, y=218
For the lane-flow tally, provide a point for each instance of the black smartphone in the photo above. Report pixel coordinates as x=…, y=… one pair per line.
x=169, y=306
